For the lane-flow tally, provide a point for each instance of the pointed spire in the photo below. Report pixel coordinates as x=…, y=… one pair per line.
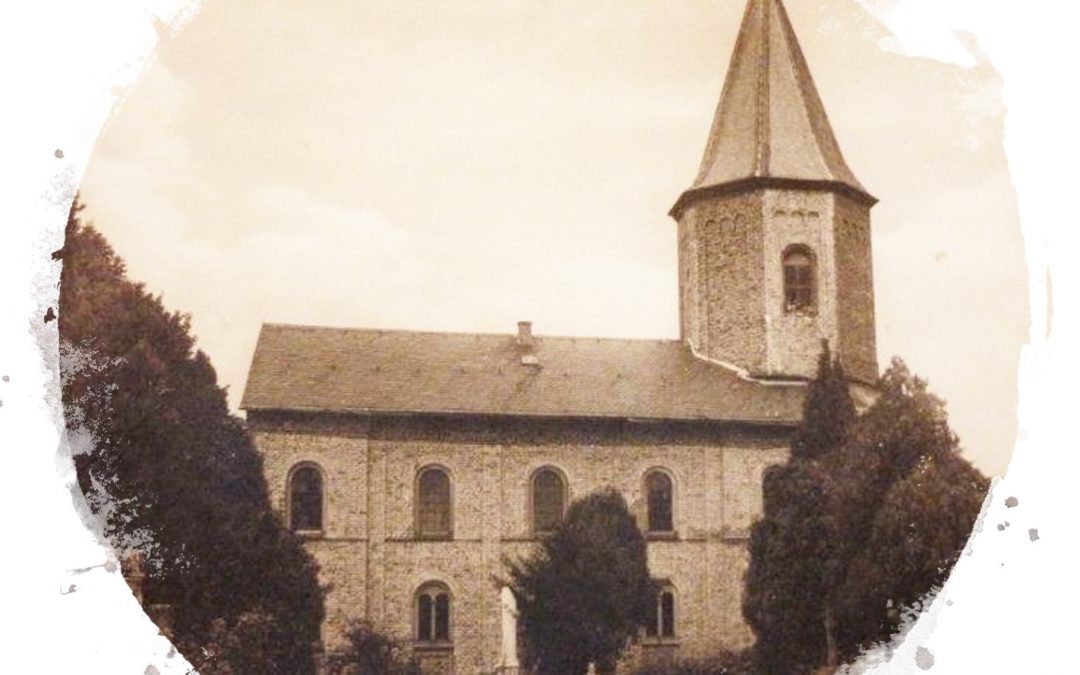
x=770, y=123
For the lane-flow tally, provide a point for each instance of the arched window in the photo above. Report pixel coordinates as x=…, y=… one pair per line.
x=548, y=500
x=661, y=622
x=306, y=499
x=798, y=279
x=433, y=613
x=433, y=504
x=658, y=497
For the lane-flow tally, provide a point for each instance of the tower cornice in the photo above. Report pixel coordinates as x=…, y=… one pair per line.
x=694, y=195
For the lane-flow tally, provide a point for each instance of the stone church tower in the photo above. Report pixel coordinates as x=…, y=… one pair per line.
x=774, y=234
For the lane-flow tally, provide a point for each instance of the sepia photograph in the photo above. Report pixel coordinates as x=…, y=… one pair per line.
x=542, y=338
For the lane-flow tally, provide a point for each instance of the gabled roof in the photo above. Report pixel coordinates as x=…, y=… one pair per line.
x=302, y=368
x=770, y=122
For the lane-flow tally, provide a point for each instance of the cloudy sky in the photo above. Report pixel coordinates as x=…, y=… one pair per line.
x=461, y=166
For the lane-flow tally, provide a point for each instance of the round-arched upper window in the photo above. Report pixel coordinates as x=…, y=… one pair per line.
x=798, y=279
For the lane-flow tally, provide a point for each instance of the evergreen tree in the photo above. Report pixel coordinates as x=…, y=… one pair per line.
x=173, y=475
x=868, y=516
x=783, y=603
x=828, y=410
x=786, y=589
x=585, y=592
x=902, y=503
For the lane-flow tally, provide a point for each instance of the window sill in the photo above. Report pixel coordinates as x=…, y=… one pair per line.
x=309, y=534
x=434, y=537
x=670, y=535
x=433, y=647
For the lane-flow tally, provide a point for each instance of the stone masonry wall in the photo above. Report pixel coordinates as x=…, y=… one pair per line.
x=857, y=343
x=339, y=450
x=374, y=565
x=721, y=279
x=794, y=338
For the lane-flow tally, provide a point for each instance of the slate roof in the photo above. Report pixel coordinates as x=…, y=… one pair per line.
x=304, y=368
x=770, y=122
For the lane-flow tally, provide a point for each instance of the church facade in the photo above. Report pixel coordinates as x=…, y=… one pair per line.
x=413, y=463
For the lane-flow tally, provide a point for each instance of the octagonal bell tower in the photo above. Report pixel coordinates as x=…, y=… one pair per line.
x=774, y=234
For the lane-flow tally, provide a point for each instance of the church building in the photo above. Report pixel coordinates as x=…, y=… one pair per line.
x=412, y=462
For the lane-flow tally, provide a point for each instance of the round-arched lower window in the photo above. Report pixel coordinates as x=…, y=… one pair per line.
x=433, y=613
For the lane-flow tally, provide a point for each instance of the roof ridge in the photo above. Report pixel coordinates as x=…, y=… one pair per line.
x=411, y=331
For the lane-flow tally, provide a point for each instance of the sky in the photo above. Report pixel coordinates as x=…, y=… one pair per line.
x=463, y=166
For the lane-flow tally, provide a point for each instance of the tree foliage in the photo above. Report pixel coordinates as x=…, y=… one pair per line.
x=868, y=515
x=725, y=662
x=785, y=581
x=902, y=503
x=828, y=410
x=368, y=652
x=173, y=475
x=586, y=590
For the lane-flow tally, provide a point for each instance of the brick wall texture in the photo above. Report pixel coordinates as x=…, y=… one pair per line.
x=855, y=289
x=373, y=564
x=721, y=279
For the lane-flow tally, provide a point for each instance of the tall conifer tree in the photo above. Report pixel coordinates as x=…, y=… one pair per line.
x=901, y=502
x=828, y=411
x=786, y=581
x=174, y=476
x=868, y=515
